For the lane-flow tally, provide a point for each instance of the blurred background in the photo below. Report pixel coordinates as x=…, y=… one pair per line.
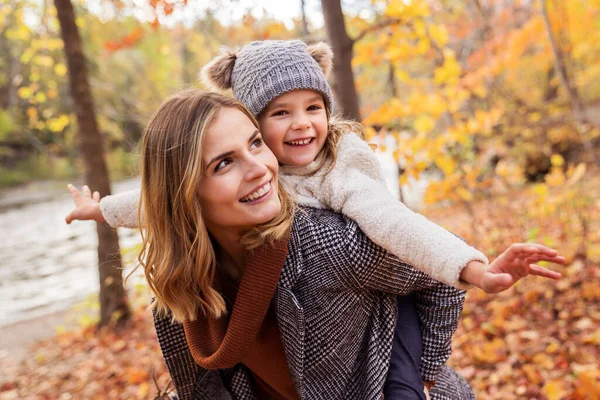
x=486, y=114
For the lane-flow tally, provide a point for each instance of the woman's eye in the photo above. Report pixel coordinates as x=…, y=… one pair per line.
x=257, y=142
x=225, y=162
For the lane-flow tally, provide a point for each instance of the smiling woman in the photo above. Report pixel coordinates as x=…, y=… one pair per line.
x=207, y=180
x=249, y=281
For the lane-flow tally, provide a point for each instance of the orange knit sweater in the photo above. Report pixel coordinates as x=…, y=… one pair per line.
x=249, y=334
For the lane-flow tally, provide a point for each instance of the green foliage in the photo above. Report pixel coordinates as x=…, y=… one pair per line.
x=6, y=124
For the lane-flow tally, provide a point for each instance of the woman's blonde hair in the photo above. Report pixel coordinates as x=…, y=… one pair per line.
x=178, y=254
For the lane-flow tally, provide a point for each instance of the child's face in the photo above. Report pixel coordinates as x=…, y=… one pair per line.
x=294, y=126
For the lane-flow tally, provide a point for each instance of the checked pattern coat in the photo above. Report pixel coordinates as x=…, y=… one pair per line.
x=336, y=308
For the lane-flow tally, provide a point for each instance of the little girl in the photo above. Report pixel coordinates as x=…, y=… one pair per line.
x=326, y=162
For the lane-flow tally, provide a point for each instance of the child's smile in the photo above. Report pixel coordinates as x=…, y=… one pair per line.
x=294, y=126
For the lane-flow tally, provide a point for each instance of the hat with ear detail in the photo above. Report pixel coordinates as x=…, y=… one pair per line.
x=217, y=73
x=263, y=70
x=323, y=55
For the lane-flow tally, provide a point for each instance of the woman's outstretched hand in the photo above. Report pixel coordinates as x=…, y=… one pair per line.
x=87, y=205
x=518, y=261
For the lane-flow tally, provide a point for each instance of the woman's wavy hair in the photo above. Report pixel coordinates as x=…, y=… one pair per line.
x=178, y=254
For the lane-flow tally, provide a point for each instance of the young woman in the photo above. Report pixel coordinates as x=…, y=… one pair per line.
x=283, y=83
x=274, y=301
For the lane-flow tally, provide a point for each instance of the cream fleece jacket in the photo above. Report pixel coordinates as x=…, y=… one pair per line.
x=355, y=187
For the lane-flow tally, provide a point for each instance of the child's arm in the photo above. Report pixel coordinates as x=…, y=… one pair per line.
x=438, y=306
x=119, y=210
x=356, y=188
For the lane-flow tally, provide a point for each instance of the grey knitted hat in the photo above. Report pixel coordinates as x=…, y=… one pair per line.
x=263, y=70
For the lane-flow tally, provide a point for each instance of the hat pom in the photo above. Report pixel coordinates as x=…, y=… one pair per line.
x=217, y=73
x=323, y=54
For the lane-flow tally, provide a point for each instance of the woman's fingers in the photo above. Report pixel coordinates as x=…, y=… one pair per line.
x=96, y=196
x=543, y=272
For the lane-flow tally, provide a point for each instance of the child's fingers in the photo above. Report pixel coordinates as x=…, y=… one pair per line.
x=542, y=257
x=96, y=196
x=69, y=218
x=534, y=248
x=543, y=272
x=86, y=191
x=74, y=192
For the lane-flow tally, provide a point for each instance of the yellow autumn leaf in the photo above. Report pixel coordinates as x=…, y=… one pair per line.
x=464, y=194
x=60, y=69
x=439, y=34
x=401, y=75
x=555, y=389
x=557, y=160
x=57, y=125
x=24, y=92
x=448, y=72
x=43, y=61
x=445, y=163
x=424, y=123
x=370, y=133
x=40, y=97
x=423, y=46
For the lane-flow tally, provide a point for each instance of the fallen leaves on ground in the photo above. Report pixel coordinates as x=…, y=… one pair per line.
x=86, y=364
x=538, y=340
x=541, y=338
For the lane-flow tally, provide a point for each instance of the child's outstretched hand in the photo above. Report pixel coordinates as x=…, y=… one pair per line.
x=518, y=261
x=87, y=205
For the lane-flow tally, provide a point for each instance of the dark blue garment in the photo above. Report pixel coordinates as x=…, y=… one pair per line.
x=404, y=381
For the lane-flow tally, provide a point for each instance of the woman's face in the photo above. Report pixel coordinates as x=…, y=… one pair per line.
x=239, y=186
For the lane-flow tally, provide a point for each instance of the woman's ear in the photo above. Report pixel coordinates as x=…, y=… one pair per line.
x=217, y=73
x=323, y=54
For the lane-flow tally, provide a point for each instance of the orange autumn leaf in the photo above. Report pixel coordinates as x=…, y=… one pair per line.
x=136, y=375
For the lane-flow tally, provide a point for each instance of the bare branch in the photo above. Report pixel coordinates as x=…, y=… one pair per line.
x=376, y=27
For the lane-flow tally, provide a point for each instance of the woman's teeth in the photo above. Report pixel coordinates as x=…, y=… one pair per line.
x=259, y=193
x=300, y=142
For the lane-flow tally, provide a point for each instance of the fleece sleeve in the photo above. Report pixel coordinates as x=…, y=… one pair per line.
x=355, y=187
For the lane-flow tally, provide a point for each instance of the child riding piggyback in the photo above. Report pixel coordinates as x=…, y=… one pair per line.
x=326, y=162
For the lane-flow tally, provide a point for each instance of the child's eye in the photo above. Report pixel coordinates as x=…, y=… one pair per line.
x=224, y=162
x=257, y=142
x=278, y=113
x=314, y=107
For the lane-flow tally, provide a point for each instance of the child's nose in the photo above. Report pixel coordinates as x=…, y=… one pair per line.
x=301, y=123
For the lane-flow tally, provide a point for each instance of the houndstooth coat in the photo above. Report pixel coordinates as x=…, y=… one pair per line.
x=336, y=308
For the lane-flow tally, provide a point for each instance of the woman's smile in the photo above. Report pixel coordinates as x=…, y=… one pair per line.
x=262, y=193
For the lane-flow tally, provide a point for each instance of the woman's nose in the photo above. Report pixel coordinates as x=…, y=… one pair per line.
x=255, y=168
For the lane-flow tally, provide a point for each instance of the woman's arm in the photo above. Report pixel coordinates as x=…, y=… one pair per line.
x=191, y=381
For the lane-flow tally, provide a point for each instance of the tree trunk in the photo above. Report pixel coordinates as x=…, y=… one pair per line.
x=113, y=298
x=305, y=33
x=577, y=108
x=342, y=46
